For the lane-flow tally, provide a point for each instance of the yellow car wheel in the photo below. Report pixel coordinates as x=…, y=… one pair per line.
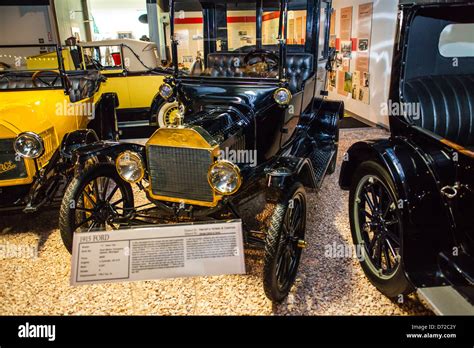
x=166, y=115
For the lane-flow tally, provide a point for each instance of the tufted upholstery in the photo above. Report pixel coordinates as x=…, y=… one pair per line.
x=25, y=82
x=446, y=105
x=83, y=85
x=299, y=67
x=225, y=64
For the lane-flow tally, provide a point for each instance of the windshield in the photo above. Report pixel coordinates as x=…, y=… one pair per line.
x=133, y=56
x=225, y=39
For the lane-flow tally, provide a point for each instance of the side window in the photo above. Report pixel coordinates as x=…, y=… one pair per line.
x=107, y=57
x=296, y=34
x=323, y=39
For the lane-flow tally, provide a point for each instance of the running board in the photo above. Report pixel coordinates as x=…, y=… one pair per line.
x=320, y=160
x=445, y=300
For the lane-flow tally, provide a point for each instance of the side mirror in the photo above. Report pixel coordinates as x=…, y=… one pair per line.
x=331, y=59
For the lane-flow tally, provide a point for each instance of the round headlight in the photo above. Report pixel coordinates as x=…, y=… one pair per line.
x=29, y=145
x=130, y=166
x=282, y=96
x=166, y=91
x=224, y=177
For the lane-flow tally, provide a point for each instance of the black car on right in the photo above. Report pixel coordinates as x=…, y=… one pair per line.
x=411, y=201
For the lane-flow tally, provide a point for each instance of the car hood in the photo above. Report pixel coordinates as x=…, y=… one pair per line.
x=247, y=98
x=27, y=114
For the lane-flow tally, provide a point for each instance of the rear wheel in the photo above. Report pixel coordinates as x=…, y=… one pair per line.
x=284, y=243
x=377, y=228
x=96, y=199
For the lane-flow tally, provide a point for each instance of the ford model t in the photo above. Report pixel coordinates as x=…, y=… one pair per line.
x=253, y=131
x=412, y=196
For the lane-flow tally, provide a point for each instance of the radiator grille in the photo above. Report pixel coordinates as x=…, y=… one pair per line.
x=180, y=173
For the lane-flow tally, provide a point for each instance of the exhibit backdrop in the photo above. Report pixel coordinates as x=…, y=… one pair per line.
x=363, y=34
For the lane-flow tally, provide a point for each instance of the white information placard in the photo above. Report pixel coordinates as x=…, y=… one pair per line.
x=157, y=252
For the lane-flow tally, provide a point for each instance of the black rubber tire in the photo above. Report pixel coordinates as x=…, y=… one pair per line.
x=75, y=188
x=398, y=284
x=273, y=245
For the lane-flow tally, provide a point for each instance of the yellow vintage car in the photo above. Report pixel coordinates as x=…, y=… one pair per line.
x=44, y=112
x=134, y=72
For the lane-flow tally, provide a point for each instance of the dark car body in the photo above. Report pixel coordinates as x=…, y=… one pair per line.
x=430, y=156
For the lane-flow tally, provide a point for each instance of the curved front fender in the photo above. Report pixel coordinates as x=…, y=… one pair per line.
x=106, y=149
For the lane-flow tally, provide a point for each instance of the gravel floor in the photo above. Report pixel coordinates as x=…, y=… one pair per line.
x=325, y=286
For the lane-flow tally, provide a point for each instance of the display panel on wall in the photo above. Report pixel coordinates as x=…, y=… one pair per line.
x=351, y=76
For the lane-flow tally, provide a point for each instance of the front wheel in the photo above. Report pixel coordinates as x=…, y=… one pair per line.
x=377, y=228
x=97, y=198
x=284, y=243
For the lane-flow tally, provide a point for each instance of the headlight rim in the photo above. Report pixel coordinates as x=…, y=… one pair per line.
x=142, y=166
x=34, y=135
x=171, y=89
x=290, y=96
x=234, y=167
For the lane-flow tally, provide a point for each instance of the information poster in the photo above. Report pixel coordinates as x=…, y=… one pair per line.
x=332, y=30
x=168, y=251
x=364, y=36
x=346, y=23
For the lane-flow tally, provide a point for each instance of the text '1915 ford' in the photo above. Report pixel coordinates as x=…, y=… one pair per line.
x=253, y=130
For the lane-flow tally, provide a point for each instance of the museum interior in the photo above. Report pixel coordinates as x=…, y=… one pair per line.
x=301, y=157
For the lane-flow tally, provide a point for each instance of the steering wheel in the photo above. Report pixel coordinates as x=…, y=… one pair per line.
x=96, y=64
x=262, y=56
x=37, y=77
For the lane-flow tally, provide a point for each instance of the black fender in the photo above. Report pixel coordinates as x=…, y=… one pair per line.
x=74, y=140
x=326, y=117
x=49, y=179
x=106, y=149
x=104, y=122
x=287, y=170
x=425, y=229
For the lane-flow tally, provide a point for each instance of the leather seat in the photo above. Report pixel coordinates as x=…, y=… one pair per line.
x=83, y=85
x=225, y=64
x=26, y=82
x=446, y=105
x=299, y=67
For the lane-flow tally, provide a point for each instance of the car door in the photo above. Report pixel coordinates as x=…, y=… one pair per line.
x=323, y=46
x=463, y=203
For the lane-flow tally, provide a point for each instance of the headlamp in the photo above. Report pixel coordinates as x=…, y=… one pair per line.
x=166, y=91
x=224, y=177
x=282, y=96
x=29, y=145
x=130, y=166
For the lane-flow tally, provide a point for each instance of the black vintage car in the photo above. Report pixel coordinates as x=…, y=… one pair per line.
x=254, y=130
x=412, y=196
